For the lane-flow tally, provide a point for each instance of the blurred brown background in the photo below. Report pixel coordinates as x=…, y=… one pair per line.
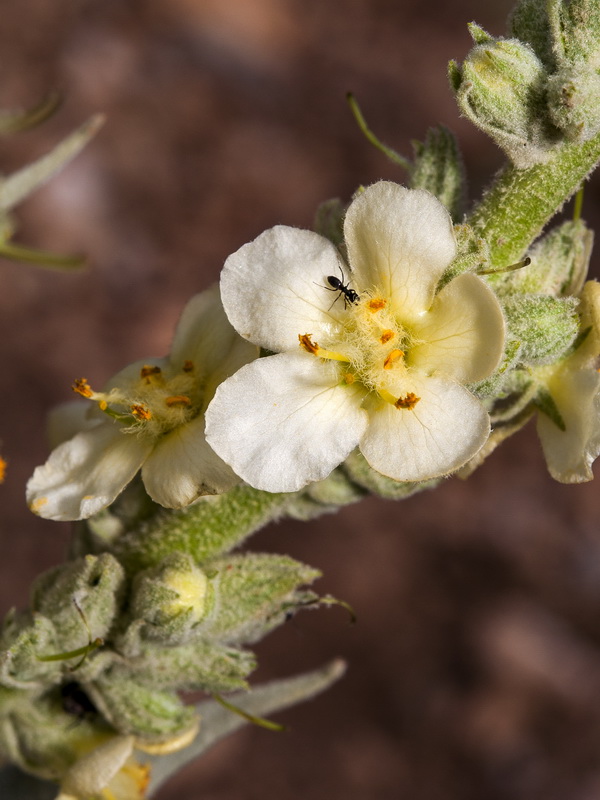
x=475, y=664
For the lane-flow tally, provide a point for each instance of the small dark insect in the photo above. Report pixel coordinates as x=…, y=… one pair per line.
x=340, y=286
x=75, y=701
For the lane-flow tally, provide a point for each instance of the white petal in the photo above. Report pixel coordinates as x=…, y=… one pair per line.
x=285, y=421
x=182, y=467
x=85, y=474
x=275, y=288
x=570, y=453
x=443, y=431
x=399, y=241
x=462, y=333
x=204, y=336
x=67, y=419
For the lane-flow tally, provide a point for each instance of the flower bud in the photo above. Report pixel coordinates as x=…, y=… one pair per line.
x=172, y=598
x=501, y=89
x=573, y=102
x=545, y=326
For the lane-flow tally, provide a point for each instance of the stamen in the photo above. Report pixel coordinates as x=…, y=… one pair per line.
x=188, y=366
x=349, y=378
x=307, y=344
x=386, y=336
x=316, y=350
x=376, y=304
x=178, y=400
x=82, y=387
x=149, y=370
x=141, y=412
x=408, y=402
x=392, y=357
x=3, y=466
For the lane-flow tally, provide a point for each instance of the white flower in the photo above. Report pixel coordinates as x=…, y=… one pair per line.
x=574, y=385
x=150, y=416
x=380, y=365
x=108, y=772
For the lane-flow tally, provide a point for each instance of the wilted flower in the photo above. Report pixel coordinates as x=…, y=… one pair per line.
x=381, y=365
x=150, y=416
x=570, y=432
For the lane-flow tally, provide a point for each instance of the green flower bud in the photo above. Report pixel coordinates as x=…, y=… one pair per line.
x=364, y=475
x=501, y=89
x=546, y=327
x=574, y=102
x=171, y=598
x=26, y=637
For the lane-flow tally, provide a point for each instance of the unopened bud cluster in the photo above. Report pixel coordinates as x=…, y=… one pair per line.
x=541, y=86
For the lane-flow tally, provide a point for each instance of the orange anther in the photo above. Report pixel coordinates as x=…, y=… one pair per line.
x=392, y=357
x=408, y=402
x=82, y=387
x=376, y=304
x=307, y=344
x=148, y=370
x=141, y=412
x=178, y=400
x=386, y=336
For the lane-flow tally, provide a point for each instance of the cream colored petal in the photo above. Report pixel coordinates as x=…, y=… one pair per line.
x=66, y=420
x=92, y=773
x=399, y=242
x=446, y=427
x=205, y=337
x=285, y=421
x=85, y=474
x=182, y=467
x=462, y=334
x=570, y=453
x=275, y=288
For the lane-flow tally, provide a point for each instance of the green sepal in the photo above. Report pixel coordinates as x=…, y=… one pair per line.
x=326, y=496
x=24, y=637
x=438, y=168
x=530, y=23
x=201, y=665
x=574, y=101
x=559, y=263
x=255, y=593
x=142, y=711
x=545, y=326
x=82, y=598
x=545, y=403
x=364, y=475
x=203, y=530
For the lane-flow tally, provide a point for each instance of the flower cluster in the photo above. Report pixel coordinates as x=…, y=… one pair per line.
x=379, y=343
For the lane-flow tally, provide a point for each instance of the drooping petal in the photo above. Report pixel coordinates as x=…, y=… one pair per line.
x=399, y=242
x=66, y=420
x=444, y=429
x=462, y=334
x=285, y=421
x=182, y=467
x=85, y=474
x=570, y=453
x=205, y=337
x=275, y=288
x=93, y=772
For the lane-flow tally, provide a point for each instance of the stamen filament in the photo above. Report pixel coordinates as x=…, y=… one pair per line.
x=315, y=349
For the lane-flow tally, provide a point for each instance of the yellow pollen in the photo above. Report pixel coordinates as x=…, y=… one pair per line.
x=188, y=366
x=178, y=400
x=349, y=378
x=307, y=344
x=392, y=357
x=376, y=304
x=141, y=412
x=103, y=405
x=82, y=387
x=408, y=402
x=3, y=466
x=386, y=336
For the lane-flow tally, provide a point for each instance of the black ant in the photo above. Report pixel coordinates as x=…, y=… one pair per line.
x=337, y=285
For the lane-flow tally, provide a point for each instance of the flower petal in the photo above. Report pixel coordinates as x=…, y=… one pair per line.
x=182, y=467
x=205, y=336
x=399, y=242
x=570, y=453
x=85, y=474
x=91, y=773
x=285, y=421
x=275, y=288
x=462, y=333
x=445, y=428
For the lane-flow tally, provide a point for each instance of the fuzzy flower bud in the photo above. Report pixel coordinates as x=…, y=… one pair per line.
x=173, y=598
x=501, y=89
x=573, y=102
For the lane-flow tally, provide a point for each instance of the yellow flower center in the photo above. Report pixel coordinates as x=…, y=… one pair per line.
x=154, y=404
x=374, y=346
